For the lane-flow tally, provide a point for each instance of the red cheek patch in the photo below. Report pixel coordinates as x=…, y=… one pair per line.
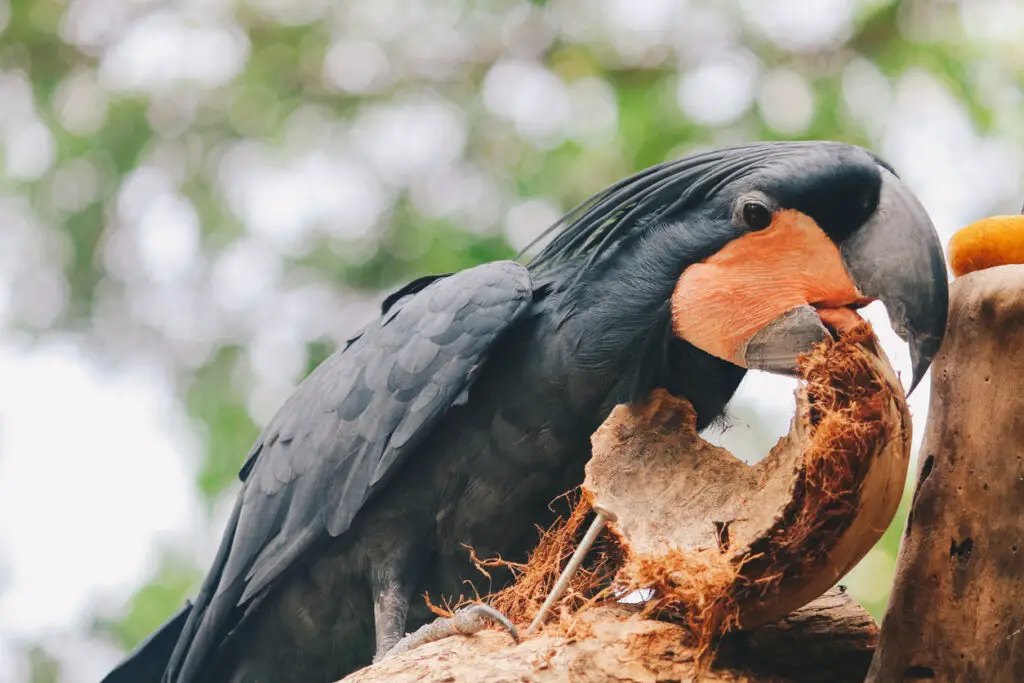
x=720, y=303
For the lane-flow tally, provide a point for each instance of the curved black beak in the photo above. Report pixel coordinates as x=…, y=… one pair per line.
x=897, y=257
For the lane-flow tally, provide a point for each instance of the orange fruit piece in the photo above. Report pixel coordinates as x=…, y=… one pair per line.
x=990, y=242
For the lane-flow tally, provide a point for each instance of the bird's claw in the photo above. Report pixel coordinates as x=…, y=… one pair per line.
x=470, y=620
x=465, y=621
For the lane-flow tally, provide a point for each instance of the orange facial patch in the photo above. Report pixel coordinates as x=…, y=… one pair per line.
x=720, y=303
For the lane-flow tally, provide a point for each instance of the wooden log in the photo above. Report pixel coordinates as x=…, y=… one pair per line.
x=827, y=641
x=956, y=612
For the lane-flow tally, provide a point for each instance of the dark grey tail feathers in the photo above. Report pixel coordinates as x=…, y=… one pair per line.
x=147, y=662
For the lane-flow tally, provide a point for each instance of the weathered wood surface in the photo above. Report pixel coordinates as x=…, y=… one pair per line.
x=957, y=607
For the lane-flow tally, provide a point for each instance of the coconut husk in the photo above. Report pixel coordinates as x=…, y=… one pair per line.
x=725, y=545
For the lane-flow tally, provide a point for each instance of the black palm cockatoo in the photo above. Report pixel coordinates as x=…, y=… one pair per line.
x=457, y=416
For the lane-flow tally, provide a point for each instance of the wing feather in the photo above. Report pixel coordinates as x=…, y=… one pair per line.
x=347, y=427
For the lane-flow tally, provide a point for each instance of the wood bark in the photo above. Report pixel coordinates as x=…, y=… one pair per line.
x=827, y=641
x=956, y=612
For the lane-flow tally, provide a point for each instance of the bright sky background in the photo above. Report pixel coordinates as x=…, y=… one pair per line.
x=80, y=444
x=78, y=448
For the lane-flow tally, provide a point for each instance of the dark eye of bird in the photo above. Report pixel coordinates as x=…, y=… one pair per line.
x=756, y=215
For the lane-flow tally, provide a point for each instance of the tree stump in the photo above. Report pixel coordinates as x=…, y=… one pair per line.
x=956, y=612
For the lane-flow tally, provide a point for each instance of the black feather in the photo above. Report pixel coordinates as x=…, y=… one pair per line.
x=415, y=286
x=607, y=220
x=342, y=435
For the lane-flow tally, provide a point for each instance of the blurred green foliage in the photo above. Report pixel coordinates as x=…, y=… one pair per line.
x=175, y=579
x=463, y=88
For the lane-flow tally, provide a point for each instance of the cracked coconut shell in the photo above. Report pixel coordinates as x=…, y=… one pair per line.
x=725, y=544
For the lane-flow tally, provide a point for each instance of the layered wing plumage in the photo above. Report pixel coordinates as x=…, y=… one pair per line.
x=343, y=432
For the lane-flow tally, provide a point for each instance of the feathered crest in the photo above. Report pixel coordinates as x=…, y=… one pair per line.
x=605, y=220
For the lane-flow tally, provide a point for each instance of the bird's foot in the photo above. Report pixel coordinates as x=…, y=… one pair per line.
x=465, y=621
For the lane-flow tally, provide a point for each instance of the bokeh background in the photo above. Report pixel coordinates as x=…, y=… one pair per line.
x=200, y=199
